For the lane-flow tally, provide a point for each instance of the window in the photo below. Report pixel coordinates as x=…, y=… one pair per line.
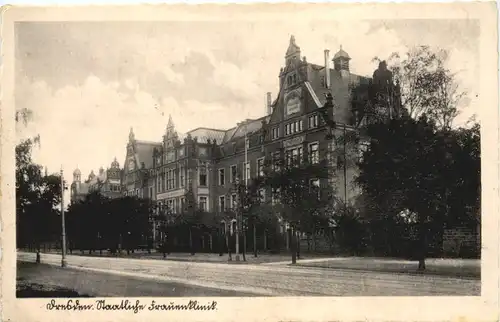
x=246, y=175
x=170, y=156
x=294, y=156
x=314, y=186
x=181, y=177
x=171, y=206
x=314, y=152
x=162, y=182
x=233, y=173
x=222, y=203
x=233, y=201
x=222, y=179
x=275, y=196
x=170, y=179
x=260, y=167
x=150, y=192
x=293, y=127
x=276, y=161
x=313, y=121
x=275, y=133
x=183, y=203
x=203, y=202
x=363, y=147
x=202, y=176
x=262, y=195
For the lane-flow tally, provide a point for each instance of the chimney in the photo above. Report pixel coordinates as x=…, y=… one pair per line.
x=269, y=102
x=327, y=68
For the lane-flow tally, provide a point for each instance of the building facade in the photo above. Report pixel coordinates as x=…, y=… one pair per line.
x=108, y=182
x=208, y=161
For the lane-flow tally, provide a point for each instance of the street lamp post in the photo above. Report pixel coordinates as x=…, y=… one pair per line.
x=63, y=224
x=237, y=232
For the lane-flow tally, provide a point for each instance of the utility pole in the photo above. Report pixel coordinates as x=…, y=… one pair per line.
x=345, y=167
x=63, y=224
x=247, y=168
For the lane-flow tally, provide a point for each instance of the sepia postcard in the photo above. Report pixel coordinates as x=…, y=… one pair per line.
x=259, y=162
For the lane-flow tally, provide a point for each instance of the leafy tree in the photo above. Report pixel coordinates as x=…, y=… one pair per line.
x=191, y=216
x=427, y=86
x=302, y=203
x=413, y=166
x=37, y=195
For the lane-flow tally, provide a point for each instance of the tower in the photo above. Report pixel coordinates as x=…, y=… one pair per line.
x=385, y=94
x=341, y=62
x=293, y=52
x=77, y=175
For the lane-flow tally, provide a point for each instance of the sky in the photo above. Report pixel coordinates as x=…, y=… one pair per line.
x=88, y=83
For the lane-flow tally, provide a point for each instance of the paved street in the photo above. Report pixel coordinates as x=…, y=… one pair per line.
x=43, y=280
x=271, y=279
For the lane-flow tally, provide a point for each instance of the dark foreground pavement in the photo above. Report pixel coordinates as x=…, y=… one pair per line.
x=42, y=280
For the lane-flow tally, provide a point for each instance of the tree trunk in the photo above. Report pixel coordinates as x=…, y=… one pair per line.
x=228, y=248
x=244, y=245
x=287, y=237
x=422, y=253
x=221, y=246
x=290, y=235
x=265, y=240
x=298, y=244
x=191, y=241
x=254, y=240
x=314, y=240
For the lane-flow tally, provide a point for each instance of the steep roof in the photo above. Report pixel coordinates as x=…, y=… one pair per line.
x=341, y=54
x=205, y=134
x=144, y=152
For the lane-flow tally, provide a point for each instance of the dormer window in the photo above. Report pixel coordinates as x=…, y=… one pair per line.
x=292, y=79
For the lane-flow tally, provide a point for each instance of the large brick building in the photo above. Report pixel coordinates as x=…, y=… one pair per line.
x=209, y=160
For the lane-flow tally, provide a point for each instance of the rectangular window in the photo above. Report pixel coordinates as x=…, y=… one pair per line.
x=222, y=203
x=202, y=176
x=203, y=201
x=170, y=206
x=314, y=153
x=150, y=192
x=294, y=156
x=183, y=203
x=276, y=161
x=363, y=147
x=275, y=133
x=314, y=186
x=246, y=174
x=313, y=121
x=181, y=177
x=262, y=195
x=234, y=173
x=222, y=179
x=260, y=167
x=275, y=196
x=233, y=201
x=299, y=126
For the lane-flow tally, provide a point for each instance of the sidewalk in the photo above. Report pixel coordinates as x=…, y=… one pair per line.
x=470, y=268
x=262, y=258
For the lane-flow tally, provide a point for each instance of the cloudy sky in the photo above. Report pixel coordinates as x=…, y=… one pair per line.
x=88, y=83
